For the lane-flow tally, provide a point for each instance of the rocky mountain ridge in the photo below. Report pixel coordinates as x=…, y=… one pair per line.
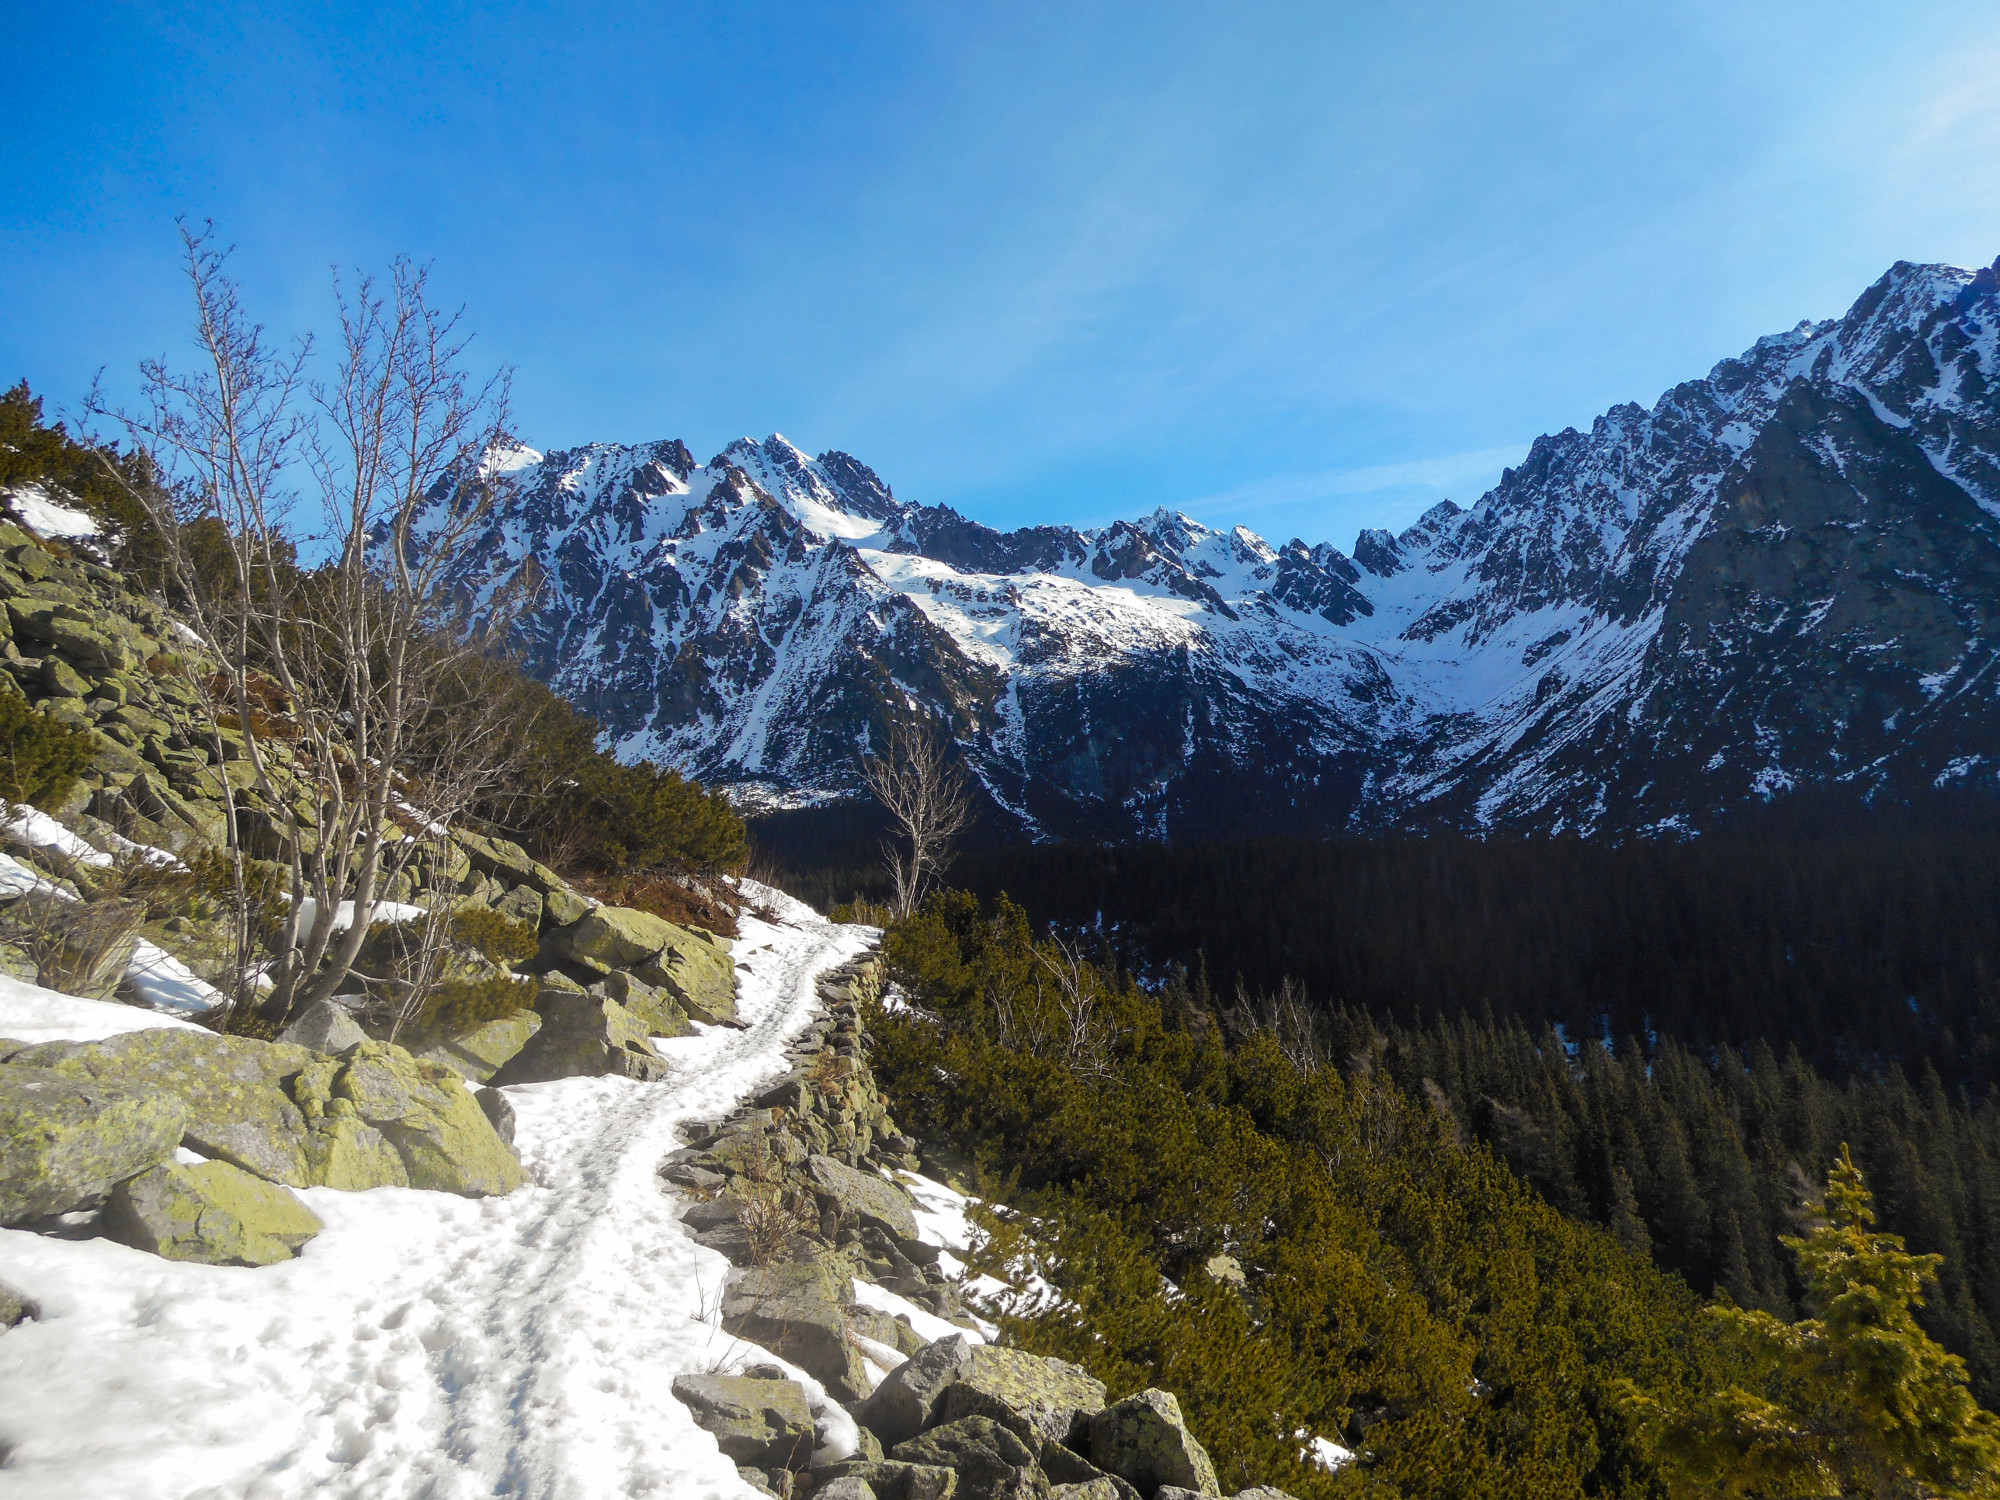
x=1784, y=574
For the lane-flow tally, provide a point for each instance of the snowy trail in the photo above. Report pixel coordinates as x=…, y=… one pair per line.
x=423, y=1345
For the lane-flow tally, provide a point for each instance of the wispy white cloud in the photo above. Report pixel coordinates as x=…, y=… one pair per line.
x=1329, y=502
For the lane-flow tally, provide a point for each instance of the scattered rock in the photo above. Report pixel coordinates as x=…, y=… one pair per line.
x=583, y=1036
x=908, y=1398
x=793, y=1309
x=764, y=1423
x=848, y=1487
x=1228, y=1270
x=66, y=1141
x=16, y=1307
x=324, y=1027
x=213, y=1213
x=1143, y=1439
x=478, y=1054
x=1037, y=1398
x=991, y=1462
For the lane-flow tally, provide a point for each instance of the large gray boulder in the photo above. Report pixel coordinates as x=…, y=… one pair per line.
x=237, y=1106
x=480, y=1053
x=584, y=1036
x=908, y=1398
x=696, y=968
x=654, y=1010
x=616, y=936
x=864, y=1196
x=794, y=1309
x=65, y=1141
x=991, y=1462
x=765, y=1423
x=444, y=1139
x=1143, y=1439
x=1035, y=1397
x=213, y=1213
x=324, y=1026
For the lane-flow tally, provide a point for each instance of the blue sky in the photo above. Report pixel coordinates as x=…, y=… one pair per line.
x=1307, y=267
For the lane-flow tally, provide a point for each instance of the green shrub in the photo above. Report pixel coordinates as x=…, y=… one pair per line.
x=497, y=938
x=40, y=757
x=1404, y=1293
x=461, y=1005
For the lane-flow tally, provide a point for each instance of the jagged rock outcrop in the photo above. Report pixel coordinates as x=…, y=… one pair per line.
x=1784, y=574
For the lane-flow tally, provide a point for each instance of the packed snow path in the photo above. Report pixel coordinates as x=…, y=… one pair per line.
x=422, y=1345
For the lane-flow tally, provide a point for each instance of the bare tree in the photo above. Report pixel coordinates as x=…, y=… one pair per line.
x=329, y=683
x=929, y=797
x=1087, y=1035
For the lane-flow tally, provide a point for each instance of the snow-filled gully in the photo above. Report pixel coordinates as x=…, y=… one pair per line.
x=423, y=1345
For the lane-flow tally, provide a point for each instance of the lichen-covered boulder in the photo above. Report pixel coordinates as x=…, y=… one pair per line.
x=991, y=1462
x=847, y=1487
x=1144, y=1439
x=523, y=904
x=695, y=967
x=653, y=1009
x=323, y=1027
x=211, y=1212
x=616, y=936
x=562, y=907
x=793, y=1308
x=238, y=1107
x=1075, y=1476
x=583, y=1036
x=480, y=1053
x=891, y=1480
x=65, y=1141
x=861, y=1195
x=1037, y=1398
x=904, y=1404
x=426, y=1112
x=1104, y=1487
x=765, y=1423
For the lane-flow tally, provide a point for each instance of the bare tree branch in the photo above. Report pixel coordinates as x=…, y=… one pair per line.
x=929, y=797
x=324, y=682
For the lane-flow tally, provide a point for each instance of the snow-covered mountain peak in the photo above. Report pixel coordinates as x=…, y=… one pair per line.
x=1768, y=577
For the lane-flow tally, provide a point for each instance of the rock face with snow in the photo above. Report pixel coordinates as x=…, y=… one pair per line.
x=1784, y=574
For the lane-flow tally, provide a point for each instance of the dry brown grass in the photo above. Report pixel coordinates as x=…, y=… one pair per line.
x=663, y=897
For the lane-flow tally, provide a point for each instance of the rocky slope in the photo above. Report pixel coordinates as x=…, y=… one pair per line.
x=1783, y=574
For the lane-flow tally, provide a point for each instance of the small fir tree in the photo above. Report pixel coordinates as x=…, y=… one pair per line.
x=1855, y=1402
